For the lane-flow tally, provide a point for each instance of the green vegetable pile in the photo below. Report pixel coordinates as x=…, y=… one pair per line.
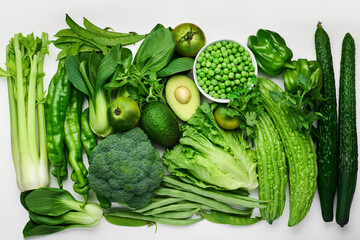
x=111, y=103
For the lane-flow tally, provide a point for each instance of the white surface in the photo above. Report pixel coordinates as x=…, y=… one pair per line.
x=223, y=19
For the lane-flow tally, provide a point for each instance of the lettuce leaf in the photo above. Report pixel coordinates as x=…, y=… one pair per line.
x=211, y=157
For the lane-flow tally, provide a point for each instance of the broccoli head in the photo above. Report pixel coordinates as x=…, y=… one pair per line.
x=126, y=168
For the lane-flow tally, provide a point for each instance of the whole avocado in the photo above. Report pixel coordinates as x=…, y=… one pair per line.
x=160, y=124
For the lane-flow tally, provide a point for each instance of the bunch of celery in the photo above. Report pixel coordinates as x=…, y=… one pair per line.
x=24, y=72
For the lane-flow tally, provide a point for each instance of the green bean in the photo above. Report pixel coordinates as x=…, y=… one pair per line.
x=178, y=214
x=165, y=221
x=172, y=207
x=93, y=28
x=233, y=219
x=213, y=204
x=160, y=203
x=239, y=201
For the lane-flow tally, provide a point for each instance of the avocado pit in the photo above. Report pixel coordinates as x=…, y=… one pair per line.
x=182, y=94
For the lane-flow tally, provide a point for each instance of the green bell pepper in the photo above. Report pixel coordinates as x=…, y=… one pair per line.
x=270, y=51
x=309, y=69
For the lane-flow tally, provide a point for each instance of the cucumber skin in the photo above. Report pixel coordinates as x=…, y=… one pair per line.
x=300, y=154
x=348, y=161
x=271, y=168
x=327, y=145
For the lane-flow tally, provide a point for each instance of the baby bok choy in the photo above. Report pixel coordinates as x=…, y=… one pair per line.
x=53, y=210
x=88, y=73
x=24, y=72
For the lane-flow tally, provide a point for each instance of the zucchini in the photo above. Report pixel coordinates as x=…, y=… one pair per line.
x=300, y=154
x=271, y=168
x=348, y=148
x=327, y=144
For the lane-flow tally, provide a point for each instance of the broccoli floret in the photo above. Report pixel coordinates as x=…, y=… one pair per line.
x=126, y=168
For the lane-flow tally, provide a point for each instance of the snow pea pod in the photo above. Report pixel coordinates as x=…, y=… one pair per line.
x=220, y=217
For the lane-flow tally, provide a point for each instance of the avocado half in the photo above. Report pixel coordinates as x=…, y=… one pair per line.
x=183, y=96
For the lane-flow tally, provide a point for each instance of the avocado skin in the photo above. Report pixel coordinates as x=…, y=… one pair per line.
x=160, y=124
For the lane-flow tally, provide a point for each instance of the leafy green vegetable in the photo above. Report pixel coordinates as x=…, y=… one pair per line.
x=246, y=103
x=176, y=65
x=52, y=210
x=211, y=157
x=24, y=63
x=302, y=105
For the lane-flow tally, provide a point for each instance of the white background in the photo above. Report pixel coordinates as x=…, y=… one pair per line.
x=222, y=19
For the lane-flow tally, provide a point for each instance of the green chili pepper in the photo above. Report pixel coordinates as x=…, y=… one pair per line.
x=73, y=143
x=88, y=138
x=304, y=68
x=56, y=104
x=270, y=51
x=89, y=141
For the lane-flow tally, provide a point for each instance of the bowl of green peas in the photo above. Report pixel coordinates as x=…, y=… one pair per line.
x=223, y=66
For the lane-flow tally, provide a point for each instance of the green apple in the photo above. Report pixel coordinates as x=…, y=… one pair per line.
x=123, y=113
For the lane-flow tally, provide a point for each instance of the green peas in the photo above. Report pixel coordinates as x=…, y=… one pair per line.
x=223, y=96
x=228, y=65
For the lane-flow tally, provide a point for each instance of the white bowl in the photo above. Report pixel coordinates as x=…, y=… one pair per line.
x=219, y=100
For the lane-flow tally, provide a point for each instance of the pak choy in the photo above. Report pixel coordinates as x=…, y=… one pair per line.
x=24, y=72
x=89, y=73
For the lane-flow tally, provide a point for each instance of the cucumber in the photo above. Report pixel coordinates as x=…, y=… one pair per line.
x=348, y=161
x=271, y=168
x=327, y=144
x=300, y=154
